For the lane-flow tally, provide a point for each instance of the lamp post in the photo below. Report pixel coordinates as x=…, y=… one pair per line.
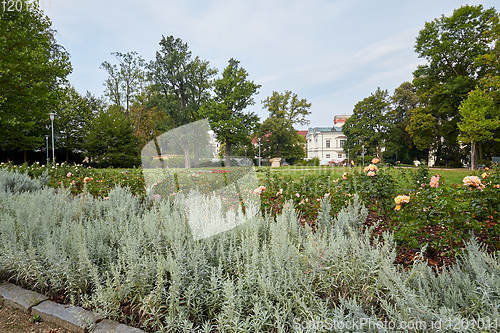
x=47, y=148
x=52, y=115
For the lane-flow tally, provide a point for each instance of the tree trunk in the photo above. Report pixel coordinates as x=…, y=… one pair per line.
x=473, y=156
x=158, y=152
x=67, y=155
x=228, y=151
x=25, y=156
x=187, y=161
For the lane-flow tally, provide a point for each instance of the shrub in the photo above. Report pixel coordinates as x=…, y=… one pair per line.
x=446, y=216
x=102, y=181
x=15, y=182
x=313, y=161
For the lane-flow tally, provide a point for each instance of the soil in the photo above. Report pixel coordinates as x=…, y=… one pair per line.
x=15, y=321
x=437, y=260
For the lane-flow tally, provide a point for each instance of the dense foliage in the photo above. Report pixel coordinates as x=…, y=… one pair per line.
x=422, y=118
x=33, y=68
x=137, y=262
x=110, y=140
x=77, y=178
x=233, y=93
x=442, y=217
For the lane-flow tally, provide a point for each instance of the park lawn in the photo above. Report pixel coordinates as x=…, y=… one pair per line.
x=454, y=176
x=450, y=176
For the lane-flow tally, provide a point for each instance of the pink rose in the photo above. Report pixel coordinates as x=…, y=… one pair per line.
x=434, y=181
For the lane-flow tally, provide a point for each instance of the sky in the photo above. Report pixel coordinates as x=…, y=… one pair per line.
x=333, y=53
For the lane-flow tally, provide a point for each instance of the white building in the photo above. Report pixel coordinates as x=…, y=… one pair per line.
x=327, y=143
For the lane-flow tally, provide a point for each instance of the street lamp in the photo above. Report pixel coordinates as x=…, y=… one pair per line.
x=52, y=115
x=47, y=148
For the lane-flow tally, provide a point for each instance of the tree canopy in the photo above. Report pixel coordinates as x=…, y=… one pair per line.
x=288, y=106
x=479, y=117
x=451, y=46
x=126, y=80
x=280, y=139
x=33, y=69
x=73, y=117
x=182, y=81
x=225, y=112
x=110, y=140
x=368, y=124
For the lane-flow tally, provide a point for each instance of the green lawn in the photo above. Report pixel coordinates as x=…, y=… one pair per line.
x=450, y=176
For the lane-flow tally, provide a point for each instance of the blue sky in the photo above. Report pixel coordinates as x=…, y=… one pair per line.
x=334, y=53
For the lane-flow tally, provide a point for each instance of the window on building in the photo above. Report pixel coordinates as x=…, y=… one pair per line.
x=327, y=143
x=342, y=143
x=327, y=155
x=340, y=155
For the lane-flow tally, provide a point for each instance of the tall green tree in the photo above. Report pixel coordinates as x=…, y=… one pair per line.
x=399, y=144
x=288, y=106
x=126, y=80
x=182, y=81
x=422, y=128
x=490, y=84
x=480, y=119
x=147, y=119
x=33, y=68
x=225, y=112
x=280, y=139
x=369, y=124
x=110, y=140
x=72, y=120
x=451, y=46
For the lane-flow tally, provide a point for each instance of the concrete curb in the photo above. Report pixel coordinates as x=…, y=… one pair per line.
x=72, y=318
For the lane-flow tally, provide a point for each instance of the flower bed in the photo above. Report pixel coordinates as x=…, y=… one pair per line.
x=136, y=261
x=420, y=210
x=98, y=182
x=444, y=217
x=426, y=212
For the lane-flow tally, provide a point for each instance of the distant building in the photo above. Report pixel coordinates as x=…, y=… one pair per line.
x=339, y=120
x=327, y=143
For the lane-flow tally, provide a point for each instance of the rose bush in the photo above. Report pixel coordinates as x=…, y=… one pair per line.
x=445, y=216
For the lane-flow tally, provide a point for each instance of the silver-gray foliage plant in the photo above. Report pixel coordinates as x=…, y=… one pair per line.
x=16, y=182
x=264, y=275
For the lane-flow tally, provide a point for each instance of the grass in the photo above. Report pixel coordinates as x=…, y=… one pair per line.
x=450, y=176
x=453, y=176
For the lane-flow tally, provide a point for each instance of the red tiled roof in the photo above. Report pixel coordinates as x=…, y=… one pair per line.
x=255, y=140
x=302, y=133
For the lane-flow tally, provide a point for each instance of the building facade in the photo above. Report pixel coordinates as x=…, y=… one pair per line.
x=327, y=143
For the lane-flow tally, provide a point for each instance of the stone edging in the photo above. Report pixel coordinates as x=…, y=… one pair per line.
x=72, y=318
